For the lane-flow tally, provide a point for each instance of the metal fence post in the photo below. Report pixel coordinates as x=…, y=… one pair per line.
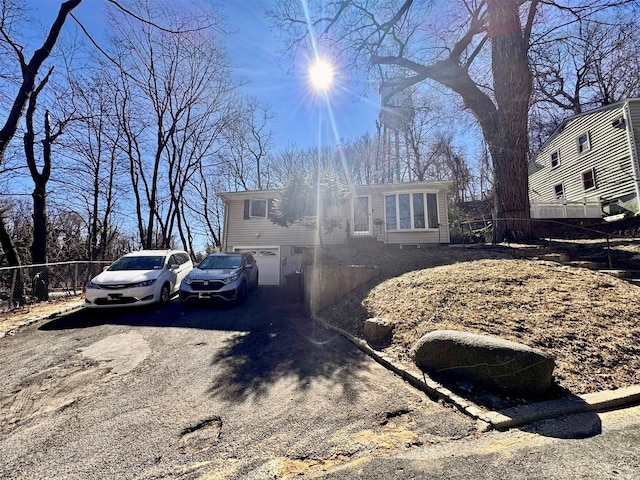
x=75, y=278
x=13, y=287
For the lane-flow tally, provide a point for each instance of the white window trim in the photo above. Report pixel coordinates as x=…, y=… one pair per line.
x=555, y=193
x=557, y=151
x=426, y=211
x=266, y=207
x=595, y=183
x=588, y=144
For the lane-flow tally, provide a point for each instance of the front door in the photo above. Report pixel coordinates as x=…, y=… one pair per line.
x=361, y=217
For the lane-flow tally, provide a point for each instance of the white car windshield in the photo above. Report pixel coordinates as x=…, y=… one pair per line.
x=221, y=262
x=138, y=263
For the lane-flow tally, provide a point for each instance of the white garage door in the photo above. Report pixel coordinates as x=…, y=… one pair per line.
x=268, y=260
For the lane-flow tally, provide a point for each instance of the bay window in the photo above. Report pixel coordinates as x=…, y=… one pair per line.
x=411, y=211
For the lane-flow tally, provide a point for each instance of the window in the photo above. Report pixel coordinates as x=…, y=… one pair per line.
x=584, y=144
x=411, y=211
x=555, y=159
x=258, y=208
x=299, y=250
x=589, y=179
x=559, y=191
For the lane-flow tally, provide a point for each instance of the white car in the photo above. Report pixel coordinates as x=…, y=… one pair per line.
x=139, y=278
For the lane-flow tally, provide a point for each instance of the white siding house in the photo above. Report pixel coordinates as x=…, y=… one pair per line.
x=588, y=168
x=402, y=214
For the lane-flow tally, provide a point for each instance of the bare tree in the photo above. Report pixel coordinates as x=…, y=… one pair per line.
x=172, y=92
x=94, y=168
x=27, y=84
x=582, y=66
x=249, y=142
x=29, y=69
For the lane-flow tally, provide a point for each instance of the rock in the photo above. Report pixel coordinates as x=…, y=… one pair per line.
x=492, y=363
x=377, y=329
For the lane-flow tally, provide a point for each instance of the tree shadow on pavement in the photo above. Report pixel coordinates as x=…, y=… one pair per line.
x=288, y=348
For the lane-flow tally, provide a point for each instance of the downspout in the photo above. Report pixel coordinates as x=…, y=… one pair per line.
x=634, y=154
x=225, y=236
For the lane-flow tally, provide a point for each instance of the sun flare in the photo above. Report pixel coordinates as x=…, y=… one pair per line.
x=321, y=75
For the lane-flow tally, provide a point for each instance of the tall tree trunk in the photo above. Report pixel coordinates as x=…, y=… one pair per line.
x=13, y=259
x=510, y=145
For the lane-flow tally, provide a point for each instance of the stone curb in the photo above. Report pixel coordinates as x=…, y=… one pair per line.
x=31, y=320
x=501, y=419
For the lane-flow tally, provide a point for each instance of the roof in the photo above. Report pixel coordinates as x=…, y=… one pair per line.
x=142, y=253
x=381, y=187
x=567, y=120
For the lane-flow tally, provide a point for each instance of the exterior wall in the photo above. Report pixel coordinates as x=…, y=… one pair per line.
x=293, y=241
x=262, y=231
x=418, y=236
x=610, y=156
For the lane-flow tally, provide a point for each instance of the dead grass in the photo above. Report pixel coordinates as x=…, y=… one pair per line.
x=586, y=319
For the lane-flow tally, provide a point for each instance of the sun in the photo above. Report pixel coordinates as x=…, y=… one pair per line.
x=321, y=75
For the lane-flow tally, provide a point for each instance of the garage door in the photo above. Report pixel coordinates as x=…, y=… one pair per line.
x=268, y=260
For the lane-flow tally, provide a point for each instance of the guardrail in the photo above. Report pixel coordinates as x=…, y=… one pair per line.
x=40, y=282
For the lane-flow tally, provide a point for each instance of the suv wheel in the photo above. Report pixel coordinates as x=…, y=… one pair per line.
x=241, y=294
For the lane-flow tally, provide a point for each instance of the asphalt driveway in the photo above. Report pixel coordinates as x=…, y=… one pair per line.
x=229, y=391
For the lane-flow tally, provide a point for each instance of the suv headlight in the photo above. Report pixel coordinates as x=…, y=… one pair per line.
x=146, y=283
x=93, y=285
x=230, y=279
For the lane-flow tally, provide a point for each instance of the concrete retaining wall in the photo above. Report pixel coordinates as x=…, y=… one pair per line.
x=324, y=285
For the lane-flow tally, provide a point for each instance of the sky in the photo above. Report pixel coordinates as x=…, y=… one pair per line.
x=303, y=117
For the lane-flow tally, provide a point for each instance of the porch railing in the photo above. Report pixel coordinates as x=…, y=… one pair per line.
x=369, y=226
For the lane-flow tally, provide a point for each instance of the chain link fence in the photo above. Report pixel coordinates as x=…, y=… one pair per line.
x=39, y=283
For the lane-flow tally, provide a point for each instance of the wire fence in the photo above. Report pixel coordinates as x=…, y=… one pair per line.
x=29, y=284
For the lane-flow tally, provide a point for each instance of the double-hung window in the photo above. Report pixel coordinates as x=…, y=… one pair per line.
x=555, y=159
x=589, y=179
x=258, y=208
x=559, y=191
x=411, y=211
x=583, y=143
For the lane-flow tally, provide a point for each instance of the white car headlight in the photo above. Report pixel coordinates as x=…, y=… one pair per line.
x=146, y=283
x=93, y=285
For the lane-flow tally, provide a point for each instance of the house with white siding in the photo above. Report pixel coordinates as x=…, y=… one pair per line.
x=404, y=215
x=588, y=168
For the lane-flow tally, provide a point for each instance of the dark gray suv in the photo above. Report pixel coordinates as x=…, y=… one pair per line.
x=225, y=276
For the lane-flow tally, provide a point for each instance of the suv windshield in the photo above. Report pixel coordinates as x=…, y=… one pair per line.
x=138, y=263
x=221, y=262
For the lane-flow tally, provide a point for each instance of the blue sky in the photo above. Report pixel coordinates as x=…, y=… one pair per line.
x=302, y=117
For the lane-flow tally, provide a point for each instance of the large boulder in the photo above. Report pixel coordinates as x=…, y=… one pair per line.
x=377, y=330
x=492, y=363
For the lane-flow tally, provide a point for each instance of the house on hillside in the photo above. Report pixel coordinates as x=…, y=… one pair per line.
x=403, y=215
x=588, y=168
